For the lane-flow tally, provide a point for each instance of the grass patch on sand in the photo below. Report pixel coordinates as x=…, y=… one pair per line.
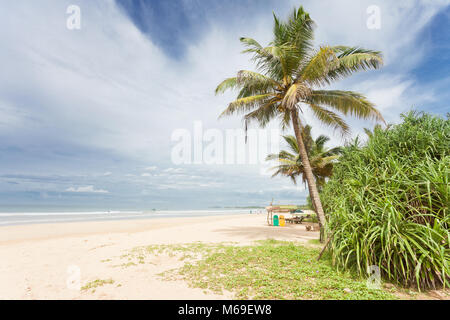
x=270, y=270
x=92, y=285
x=315, y=242
x=183, y=252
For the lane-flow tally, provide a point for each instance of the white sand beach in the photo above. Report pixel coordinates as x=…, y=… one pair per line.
x=35, y=258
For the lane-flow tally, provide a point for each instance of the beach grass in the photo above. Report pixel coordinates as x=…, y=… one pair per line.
x=92, y=285
x=267, y=269
x=276, y=270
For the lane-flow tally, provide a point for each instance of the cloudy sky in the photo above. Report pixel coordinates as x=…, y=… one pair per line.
x=87, y=115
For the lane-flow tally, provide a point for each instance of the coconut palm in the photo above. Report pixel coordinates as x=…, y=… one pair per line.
x=320, y=158
x=290, y=77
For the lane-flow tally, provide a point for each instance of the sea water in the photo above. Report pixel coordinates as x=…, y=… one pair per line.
x=19, y=218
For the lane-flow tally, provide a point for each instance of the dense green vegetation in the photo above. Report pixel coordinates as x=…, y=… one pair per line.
x=387, y=203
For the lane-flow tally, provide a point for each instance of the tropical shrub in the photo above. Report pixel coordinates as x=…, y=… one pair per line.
x=387, y=203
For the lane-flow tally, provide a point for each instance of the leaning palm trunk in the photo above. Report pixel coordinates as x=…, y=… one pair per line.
x=312, y=187
x=290, y=79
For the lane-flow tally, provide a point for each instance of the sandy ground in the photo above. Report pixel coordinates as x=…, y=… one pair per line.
x=44, y=261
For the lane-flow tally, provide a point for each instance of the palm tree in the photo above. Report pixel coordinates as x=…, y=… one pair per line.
x=290, y=80
x=320, y=158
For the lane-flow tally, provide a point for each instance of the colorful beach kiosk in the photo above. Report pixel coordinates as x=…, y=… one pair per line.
x=275, y=215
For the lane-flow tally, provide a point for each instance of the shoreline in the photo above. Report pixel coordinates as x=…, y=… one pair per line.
x=48, y=230
x=23, y=218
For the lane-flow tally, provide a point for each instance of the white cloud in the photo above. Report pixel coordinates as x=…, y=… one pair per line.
x=393, y=89
x=87, y=189
x=108, y=87
x=174, y=170
x=134, y=87
x=12, y=118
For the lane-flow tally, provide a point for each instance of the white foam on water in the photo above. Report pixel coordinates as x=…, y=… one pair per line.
x=60, y=217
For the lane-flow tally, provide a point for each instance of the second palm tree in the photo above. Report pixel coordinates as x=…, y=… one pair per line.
x=321, y=159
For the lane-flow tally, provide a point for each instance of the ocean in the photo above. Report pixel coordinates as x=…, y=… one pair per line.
x=20, y=218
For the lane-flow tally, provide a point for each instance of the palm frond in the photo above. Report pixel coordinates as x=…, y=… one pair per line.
x=354, y=59
x=282, y=155
x=330, y=118
x=346, y=102
x=318, y=67
x=297, y=31
x=292, y=142
x=264, y=113
x=269, y=59
x=334, y=151
x=246, y=104
x=252, y=44
x=321, y=140
x=227, y=84
x=253, y=83
x=334, y=63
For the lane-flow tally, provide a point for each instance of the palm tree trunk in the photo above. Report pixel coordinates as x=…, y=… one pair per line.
x=312, y=187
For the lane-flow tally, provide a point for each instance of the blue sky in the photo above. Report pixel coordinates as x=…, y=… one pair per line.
x=86, y=116
x=174, y=25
